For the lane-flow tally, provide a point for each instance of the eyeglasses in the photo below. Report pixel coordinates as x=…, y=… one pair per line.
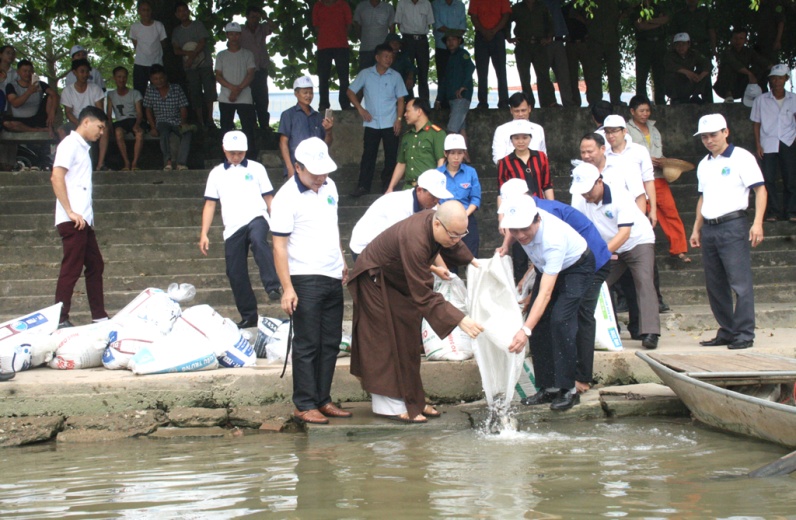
x=613, y=130
x=453, y=235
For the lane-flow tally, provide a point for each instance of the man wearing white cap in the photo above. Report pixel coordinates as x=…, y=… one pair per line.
x=628, y=234
x=393, y=207
x=616, y=170
x=775, y=131
x=301, y=122
x=235, y=70
x=687, y=78
x=725, y=177
x=393, y=290
x=310, y=265
x=564, y=270
x=78, y=52
x=245, y=193
x=463, y=184
x=520, y=109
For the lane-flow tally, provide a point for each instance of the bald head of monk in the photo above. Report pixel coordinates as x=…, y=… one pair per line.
x=450, y=223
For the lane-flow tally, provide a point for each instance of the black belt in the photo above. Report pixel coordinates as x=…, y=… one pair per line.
x=416, y=36
x=582, y=258
x=727, y=217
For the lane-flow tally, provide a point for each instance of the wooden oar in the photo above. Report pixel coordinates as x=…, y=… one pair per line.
x=782, y=466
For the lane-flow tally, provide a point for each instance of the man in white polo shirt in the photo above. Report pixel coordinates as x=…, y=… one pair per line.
x=564, y=271
x=628, y=234
x=614, y=169
x=396, y=206
x=74, y=215
x=775, y=132
x=310, y=265
x=725, y=177
x=245, y=193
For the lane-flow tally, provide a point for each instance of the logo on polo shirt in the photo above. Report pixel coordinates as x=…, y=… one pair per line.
x=725, y=171
x=330, y=200
x=465, y=185
x=609, y=213
x=249, y=177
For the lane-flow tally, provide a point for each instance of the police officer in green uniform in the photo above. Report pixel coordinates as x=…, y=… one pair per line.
x=422, y=146
x=687, y=73
x=650, y=50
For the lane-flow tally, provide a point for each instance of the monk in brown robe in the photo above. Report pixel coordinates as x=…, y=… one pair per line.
x=393, y=290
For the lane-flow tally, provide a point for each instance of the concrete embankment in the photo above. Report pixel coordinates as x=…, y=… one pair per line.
x=98, y=404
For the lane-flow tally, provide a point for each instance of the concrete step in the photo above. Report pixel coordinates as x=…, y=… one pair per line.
x=696, y=276
x=695, y=294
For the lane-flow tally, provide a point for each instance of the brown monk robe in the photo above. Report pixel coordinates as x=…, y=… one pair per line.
x=393, y=290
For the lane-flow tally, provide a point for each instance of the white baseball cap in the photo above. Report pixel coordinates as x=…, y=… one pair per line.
x=434, y=182
x=314, y=155
x=681, y=37
x=75, y=49
x=512, y=188
x=751, y=93
x=780, y=70
x=235, y=141
x=583, y=178
x=614, y=121
x=518, y=213
x=303, y=82
x=455, y=142
x=711, y=123
x=232, y=27
x=520, y=126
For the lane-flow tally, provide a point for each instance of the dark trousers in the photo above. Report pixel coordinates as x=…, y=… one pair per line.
x=535, y=54
x=370, y=151
x=519, y=260
x=166, y=130
x=441, y=58
x=317, y=330
x=557, y=57
x=248, y=123
x=729, y=83
x=416, y=49
x=604, y=54
x=80, y=249
x=578, y=53
x=553, y=343
x=236, y=252
x=472, y=240
x=366, y=59
x=140, y=78
x=494, y=50
x=341, y=59
x=785, y=160
x=649, y=58
x=727, y=261
x=587, y=326
x=681, y=89
x=259, y=86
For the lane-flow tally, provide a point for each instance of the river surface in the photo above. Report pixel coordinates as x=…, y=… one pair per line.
x=635, y=468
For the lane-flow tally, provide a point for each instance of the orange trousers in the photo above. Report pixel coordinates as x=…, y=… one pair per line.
x=669, y=218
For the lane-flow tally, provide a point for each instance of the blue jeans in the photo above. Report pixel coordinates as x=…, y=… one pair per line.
x=317, y=330
x=165, y=130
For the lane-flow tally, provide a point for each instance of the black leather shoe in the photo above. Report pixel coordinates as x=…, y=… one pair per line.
x=564, y=401
x=715, y=342
x=360, y=191
x=649, y=341
x=6, y=376
x=663, y=307
x=245, y=324
x=741, y=344
x=540, y=397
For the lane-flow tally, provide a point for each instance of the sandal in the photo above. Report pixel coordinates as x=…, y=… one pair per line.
x=404, y=418
x=430, y=412
x=683, y=258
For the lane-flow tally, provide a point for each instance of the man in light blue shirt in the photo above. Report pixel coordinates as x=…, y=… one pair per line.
x=384, y=92
x=448, y=14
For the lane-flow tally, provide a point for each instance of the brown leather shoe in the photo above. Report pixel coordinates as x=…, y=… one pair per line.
x=310, y=416
x=330, y=410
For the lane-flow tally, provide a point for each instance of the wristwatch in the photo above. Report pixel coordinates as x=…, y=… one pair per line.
x=526, y=330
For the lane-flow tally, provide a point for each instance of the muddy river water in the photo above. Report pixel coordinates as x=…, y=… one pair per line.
x=635, y=468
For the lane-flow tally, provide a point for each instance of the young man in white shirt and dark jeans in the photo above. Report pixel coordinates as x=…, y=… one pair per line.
x=245, y=193
x=310, y=265
x=74, y=215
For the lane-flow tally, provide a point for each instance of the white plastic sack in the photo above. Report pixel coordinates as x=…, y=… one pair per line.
x=493, y=304
x=152, y=306
x=185, y=349
x=42, y=349
x=266, y=327
x=607, y=333
x=345, y=346
x=181, y=293
x=26, y=331
x=14, y=358
x=124, y=342
x=457, y=346
x=526, y=386
x=231, y=347
x=276, y=348
x=80, y=347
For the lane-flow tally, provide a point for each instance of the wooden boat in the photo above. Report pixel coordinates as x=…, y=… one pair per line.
x=747, y=393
